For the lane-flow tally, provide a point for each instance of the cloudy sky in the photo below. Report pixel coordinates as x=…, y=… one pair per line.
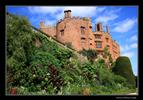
x=122, y=20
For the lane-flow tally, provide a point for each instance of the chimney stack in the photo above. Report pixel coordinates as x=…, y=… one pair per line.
x=67, y=13
x=107, y=29
x=99, y=27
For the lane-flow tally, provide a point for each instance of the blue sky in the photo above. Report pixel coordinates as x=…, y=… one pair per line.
x=122, y=20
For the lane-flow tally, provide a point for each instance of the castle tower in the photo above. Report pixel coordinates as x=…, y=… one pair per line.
x=67, y=14
x=42, y=24
x=99, y=27
x=107, y=29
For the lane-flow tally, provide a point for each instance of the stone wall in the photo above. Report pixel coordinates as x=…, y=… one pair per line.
x=78, y=32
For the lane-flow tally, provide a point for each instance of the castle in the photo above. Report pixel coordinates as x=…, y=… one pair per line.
x=78, y=32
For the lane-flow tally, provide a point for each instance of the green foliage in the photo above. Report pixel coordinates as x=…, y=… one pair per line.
x=27, y=64
x=51, y=69
x=123, y=67
x=90, y=54
x=105, y=77
x=106, y=52
x=110, y=59
x=113, y=65
x=102, y=61
x=136, y=79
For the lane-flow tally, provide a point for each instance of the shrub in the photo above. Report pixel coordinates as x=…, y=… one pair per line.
x=123, y=67
x=90, y=54
x=27, y=64
x=50, y=69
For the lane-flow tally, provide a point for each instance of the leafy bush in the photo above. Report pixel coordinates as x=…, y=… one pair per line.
x=29, y=65
x=51, y=69
x=90, y=54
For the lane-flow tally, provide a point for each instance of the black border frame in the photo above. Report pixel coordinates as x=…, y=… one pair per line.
x=70, y=3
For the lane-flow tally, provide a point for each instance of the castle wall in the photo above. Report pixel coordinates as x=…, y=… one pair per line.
x=49, y=30
x=115, y=50
x=78, y=32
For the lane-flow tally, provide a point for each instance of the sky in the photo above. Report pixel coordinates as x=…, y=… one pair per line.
x=122, y=20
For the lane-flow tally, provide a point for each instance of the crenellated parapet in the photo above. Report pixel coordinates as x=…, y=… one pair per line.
x=78, y=31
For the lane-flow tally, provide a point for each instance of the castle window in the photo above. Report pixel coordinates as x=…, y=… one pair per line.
x=108, y=47
x=98, y=44
x=82, y=30
x=62, y=32
x=90, y=26
x=107, y=40
x=83, y=42
x=97, y=36
x=98, y=27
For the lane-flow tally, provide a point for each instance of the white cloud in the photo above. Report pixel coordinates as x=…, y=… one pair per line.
x=133, y=38
x=58, y=12
x=44, y=9
x=108, y=15
x=128, y=54
x=134, y=45
x=127, y=47
x=76, y=11
x=125, y=25
x=101, y=9
x=106, y=19
x=50, y=22
x=82, y=11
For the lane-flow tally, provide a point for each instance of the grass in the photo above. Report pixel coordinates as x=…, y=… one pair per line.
x=75, y=90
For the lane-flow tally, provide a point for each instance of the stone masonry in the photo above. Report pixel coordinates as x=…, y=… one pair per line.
x=78, y=32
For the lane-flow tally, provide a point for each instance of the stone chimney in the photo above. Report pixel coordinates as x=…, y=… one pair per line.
x=67, y=14
x=99, y=27
x=107, y=29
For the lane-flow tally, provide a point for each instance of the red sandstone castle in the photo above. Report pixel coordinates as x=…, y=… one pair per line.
x=78, y=32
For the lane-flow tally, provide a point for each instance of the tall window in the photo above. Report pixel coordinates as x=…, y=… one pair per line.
x=98, y=44
x=98, y=27
x=82, y=30
x=83, y=42
x=62, y=32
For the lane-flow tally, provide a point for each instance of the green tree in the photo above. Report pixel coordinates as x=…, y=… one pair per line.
x=123, y=68
x=106, y=52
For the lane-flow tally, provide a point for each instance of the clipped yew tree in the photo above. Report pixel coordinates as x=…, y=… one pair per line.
x=123, y=68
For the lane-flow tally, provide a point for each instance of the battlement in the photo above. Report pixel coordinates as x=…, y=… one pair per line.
x=50, y=26
x=78, y=31
x=42, y=25
x=76, y=18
